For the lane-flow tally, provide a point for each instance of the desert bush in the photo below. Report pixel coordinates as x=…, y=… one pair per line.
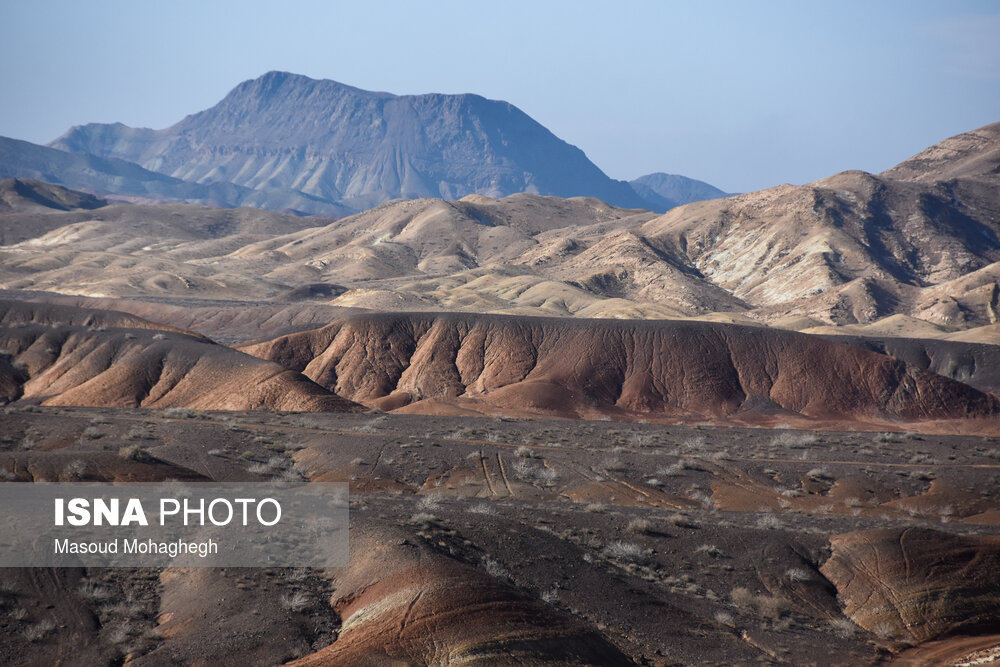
x=430, y=501
x=702, y=498
x=296, y=601
x=626, y=552
x=771, y=607
x=710, y=549
x=495, y=569
x=798, y=574
x=639, y=527
x=135, y=453
x=612, y=464
x=74, y=469
x=741, y=597
x=843, y=627
x=483, y=508
x=39, y=630
x=723, y=618
x=795, y=440
x=883, y=631
x=93, y=592
x=682, y=521
x=769, y=522
x=524, y=452
x=820, y=474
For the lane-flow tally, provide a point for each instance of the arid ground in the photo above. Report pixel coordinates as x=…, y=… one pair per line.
x=486, y=541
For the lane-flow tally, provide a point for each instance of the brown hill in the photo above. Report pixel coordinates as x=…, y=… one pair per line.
x=917, y=584
x=68, y=364
x=629, y=369
x=397, y=593
x=20, y=313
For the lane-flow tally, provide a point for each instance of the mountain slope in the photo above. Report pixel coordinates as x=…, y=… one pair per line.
x=665, y=191
x=856, y=247
x=125, y=179
x=339, y=143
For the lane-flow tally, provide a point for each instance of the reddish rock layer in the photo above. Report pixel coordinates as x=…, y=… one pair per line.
x=917, y=584
x=48, y=361
x=626, y=368
x=404, y=604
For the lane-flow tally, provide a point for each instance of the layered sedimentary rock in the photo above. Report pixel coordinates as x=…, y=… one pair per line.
x=589, y=367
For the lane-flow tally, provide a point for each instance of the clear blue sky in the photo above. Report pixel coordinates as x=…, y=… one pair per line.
x=744, y=95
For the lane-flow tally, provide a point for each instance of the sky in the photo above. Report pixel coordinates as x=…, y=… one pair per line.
x=743, y=95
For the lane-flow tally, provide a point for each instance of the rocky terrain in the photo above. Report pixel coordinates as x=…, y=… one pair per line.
x=530, y=542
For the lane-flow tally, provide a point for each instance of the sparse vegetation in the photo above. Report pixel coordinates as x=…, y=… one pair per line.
x=626, y=552
x=296, y=601
x=135, y=453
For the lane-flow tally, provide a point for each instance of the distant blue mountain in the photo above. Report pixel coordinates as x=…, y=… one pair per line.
x=359, y=148
x=665, y=191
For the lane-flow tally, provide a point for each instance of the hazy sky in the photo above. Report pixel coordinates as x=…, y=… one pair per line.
x=743, y=95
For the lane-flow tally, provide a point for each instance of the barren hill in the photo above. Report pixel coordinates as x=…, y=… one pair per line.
x=342, y=144
x=856, y=247
x=60, y=355
x=634, y=369
x=853, y=249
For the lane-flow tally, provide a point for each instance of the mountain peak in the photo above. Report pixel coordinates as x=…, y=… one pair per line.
x=343, y=144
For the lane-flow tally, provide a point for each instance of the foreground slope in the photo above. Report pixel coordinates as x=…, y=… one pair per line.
x=533, y=542
x=628, y=369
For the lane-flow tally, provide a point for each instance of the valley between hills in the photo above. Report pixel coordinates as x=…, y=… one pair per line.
x=729, y=431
